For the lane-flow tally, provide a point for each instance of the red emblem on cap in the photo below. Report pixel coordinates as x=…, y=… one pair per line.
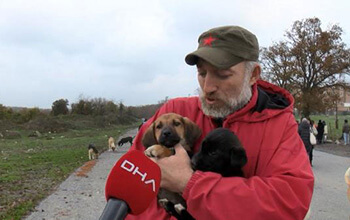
x=208, y=40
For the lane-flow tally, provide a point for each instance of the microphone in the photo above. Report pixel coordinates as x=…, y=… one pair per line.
x=131, y=186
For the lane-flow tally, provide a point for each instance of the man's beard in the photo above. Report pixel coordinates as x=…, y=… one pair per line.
x=229, y=104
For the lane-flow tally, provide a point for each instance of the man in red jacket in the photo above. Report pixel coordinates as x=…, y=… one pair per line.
x=278, y=181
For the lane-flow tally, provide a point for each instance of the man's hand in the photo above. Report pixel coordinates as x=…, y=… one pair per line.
x=176, y=170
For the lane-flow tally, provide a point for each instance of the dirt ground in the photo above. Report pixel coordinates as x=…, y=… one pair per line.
x=336, y=149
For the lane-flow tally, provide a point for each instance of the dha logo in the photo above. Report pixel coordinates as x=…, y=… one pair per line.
x=130, y=167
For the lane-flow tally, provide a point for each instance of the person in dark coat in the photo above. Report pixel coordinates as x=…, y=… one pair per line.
x=346, y=131
x=320, y=131
x=304, y=132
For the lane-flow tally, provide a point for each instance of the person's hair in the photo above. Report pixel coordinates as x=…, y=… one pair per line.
x=249, y=67
x=304, y=119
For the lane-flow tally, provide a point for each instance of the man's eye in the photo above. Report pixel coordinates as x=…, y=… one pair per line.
x=221, y=76
x=202, y=73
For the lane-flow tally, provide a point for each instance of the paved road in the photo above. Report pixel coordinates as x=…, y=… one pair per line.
x=82, y=198
x=329, y=200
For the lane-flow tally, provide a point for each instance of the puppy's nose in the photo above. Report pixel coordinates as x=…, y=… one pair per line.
x=166, y=132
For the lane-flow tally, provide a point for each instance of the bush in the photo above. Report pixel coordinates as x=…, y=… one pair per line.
x=5, y=113
x=48, y=124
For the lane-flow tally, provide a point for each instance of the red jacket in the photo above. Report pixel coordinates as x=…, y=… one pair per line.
x=278, y=182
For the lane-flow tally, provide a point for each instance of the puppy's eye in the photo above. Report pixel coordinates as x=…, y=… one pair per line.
x=159, y=126
x=212, y=153
x=176, y=123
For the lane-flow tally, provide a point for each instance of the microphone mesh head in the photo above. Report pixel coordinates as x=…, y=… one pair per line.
x=134, y=179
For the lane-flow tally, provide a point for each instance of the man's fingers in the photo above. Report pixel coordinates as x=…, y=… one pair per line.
x=179, y=149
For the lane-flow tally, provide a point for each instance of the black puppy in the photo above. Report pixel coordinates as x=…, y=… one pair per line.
x=125, y=140
x=221, y=152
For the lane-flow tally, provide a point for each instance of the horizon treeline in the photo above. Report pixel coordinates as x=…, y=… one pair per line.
x=88, y=107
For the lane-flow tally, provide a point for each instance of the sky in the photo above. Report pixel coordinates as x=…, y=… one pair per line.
x=128, y=51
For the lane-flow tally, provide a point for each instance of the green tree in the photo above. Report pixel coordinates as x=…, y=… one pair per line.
x=121, y=108
x=5, y=113
x=309, y=63
x=60, y=107
x=28, y=114
x=111, y=107
x=83, y=107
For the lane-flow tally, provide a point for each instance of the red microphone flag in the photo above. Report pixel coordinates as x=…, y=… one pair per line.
x=134, y=179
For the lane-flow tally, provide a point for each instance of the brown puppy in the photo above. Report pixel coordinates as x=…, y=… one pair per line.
x=167, y=131
x=161, y=137
x=111, y=144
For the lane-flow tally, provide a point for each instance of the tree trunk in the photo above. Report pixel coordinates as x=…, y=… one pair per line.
x=336, y=115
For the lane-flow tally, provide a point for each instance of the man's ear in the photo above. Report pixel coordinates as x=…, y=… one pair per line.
x=149, y=137
x=255, y=74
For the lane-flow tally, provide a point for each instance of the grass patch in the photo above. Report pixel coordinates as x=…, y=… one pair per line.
x=31, y=168
x=333, y=132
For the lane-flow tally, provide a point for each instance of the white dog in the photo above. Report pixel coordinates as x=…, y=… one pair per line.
x=111, y=144
x=347, y=180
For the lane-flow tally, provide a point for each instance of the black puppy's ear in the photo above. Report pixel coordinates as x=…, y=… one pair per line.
x=238, y=157
x=192, y=131
x=149, y=137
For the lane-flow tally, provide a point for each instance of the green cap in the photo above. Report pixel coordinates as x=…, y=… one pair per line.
x=225, y=46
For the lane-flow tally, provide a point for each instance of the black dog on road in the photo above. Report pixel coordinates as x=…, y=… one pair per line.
x=221, y=152
x=125, y=140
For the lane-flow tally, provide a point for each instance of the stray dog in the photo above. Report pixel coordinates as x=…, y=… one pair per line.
x=93, y=152
x=160, y=138
x=125, y=140
x=167, y=131
x=347, y=180
x=221, y=152
x=111, y=145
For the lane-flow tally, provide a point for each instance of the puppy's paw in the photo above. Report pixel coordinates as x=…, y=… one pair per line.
x=151, y=152
x=163, y=203
x=155, y=151
x=179, y=208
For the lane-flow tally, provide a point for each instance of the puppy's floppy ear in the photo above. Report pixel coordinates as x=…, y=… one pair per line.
x=149, y=137
x=238, y=157
x=192, y=131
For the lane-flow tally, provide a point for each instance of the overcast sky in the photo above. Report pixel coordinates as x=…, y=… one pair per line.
x=130, y=51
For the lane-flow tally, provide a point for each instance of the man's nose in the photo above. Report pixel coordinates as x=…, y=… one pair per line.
x=210, y=84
